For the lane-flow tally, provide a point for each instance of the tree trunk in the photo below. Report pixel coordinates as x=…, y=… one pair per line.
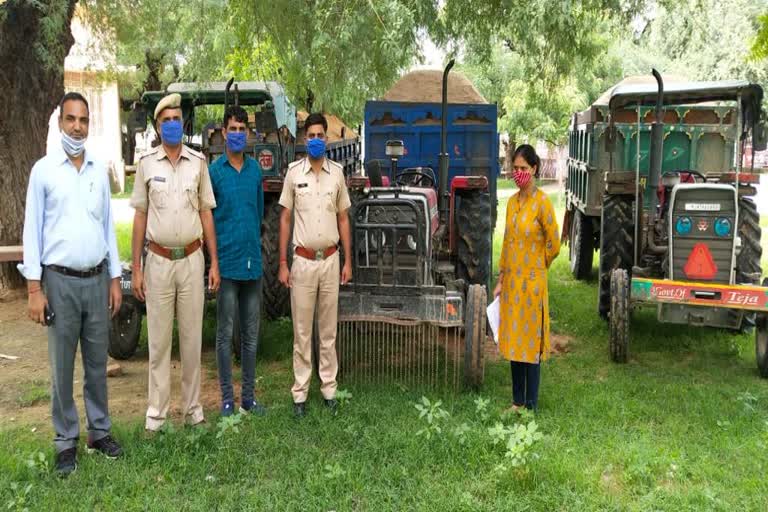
x=32, y=81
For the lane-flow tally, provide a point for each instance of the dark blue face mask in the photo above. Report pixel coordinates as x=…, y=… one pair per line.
x=236, y=141
x=171, y=132
x=316, y=148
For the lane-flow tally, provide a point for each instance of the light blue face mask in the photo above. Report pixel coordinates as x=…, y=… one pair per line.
x=72, y=147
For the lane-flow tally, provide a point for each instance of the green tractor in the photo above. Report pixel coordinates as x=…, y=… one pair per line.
x=276, y=139
x=656, y=183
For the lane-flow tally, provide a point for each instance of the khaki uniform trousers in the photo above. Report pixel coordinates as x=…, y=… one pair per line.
x=174, y=287
x=314, y=283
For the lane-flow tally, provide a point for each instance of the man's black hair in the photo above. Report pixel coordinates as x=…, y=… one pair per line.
x=316, y=118
x=237, y=113
x=73, y=96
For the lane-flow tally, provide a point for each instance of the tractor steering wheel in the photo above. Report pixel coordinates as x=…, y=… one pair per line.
x=416, y=177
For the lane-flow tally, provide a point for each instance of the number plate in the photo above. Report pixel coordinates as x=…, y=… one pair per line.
x=702, y=207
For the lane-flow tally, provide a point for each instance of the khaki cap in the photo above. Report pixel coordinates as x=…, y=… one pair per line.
x=170, y=101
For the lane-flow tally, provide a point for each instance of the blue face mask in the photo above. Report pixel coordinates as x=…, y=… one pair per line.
x=236, y=141
x=316, y=148
x=171, y=132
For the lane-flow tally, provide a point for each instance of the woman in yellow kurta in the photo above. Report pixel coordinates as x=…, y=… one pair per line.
x=531, y=243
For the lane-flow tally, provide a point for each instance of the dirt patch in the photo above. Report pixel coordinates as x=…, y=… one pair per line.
x=426, y=86
x=127, y=392
x=561, y=344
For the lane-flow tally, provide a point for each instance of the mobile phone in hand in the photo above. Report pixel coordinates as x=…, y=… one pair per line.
x=50, y=316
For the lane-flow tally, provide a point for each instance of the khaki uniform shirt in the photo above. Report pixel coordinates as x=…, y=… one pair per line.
x=173, y=196
x=316, y=199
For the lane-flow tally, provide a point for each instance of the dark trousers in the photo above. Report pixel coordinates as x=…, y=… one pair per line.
x=81, y=309
x=245, y=298
x=525, y=384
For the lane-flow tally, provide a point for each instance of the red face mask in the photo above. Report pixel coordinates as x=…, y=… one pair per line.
x=521, y=178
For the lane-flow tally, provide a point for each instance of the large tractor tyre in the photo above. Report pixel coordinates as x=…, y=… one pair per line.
x=474, y=337
x=582, y=247
x=748, y=261
x=125, y=330
x=619, y=317
x=473, y=225
x=277, y=299
x=761, y=345
x=616, y=245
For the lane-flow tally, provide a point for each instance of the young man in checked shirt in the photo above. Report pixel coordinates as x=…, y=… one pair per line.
x=236, y=181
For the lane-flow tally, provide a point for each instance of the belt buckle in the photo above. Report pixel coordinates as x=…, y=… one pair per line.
x=177, y=253
x=319, y=255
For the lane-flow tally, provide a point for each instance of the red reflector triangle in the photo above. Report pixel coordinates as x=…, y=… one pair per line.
x=700, y=264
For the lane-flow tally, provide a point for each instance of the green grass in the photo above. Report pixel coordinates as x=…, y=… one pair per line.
x=681, y=427
x=33, y=393
x=126, y=194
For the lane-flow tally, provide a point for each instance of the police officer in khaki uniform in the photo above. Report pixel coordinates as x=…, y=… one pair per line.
x=173, y=199
x=315, y=190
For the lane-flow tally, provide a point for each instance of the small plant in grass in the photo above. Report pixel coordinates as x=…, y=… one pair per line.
x=18, y=497
x=38, y=462
x=343, y=396
x=194, y=437
x=748, y=400
x=36, y=392
x=481, y=408
x=460, y=433
x=434, y=414
x=228, y=424
x=334, y=471
x=518, y=441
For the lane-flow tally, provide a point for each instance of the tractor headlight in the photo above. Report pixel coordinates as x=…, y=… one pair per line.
x=411, y=242
x=723, y=226
x=683, y=225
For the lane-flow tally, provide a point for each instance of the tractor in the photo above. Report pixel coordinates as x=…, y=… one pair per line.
x=276, y=139
x=415, y=311
x=656, y=181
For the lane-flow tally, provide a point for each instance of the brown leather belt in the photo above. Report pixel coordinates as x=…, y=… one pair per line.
x=315, y=255
x=174, y=253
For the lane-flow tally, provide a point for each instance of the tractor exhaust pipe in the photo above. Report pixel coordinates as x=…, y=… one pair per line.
x=443, y=199
x=226, y=93
x=656, y=154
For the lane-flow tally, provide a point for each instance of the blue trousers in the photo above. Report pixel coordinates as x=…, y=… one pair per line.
x=525, y=384
x=245, y=298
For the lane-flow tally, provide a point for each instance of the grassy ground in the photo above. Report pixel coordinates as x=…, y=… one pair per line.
x=682, y=426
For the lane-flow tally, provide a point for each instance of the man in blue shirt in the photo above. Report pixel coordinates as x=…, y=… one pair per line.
x=73, y=272
x=236, y=181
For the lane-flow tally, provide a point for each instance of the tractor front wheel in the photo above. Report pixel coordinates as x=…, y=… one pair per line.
x=474, y=337
x=619, y=316
x=125, y=330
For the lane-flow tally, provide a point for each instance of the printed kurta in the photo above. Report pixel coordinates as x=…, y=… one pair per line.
x=531, y=243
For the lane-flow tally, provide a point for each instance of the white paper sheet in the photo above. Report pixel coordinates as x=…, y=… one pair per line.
x=493, y=312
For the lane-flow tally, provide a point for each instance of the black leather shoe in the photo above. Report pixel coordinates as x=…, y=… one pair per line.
x=106, y=445
x=299, y=410
x=66, y=462
x=332, y=406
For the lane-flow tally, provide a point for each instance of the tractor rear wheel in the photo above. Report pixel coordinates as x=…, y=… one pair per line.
x=748, y=261
x=474, y=337
x=761, y=345
x=473, y=224
x=616, y=245
x=125, y=330
x=582, y=247
x=277, y=300
x=619, y=317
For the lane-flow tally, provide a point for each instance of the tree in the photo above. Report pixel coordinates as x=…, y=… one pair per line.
x=760, y=44
x=35, y=37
